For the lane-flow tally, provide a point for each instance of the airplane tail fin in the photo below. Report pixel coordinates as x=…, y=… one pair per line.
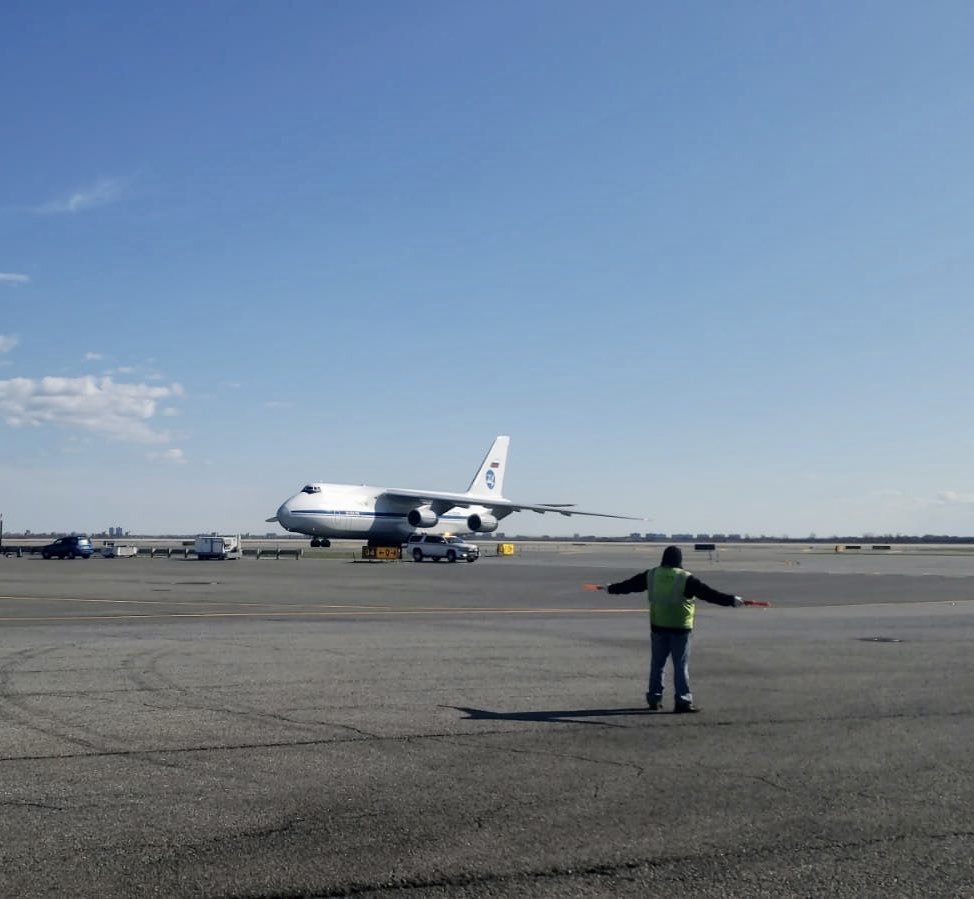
x=489, y=480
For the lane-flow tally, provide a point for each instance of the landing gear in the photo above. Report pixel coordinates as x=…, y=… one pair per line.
x=320, y=541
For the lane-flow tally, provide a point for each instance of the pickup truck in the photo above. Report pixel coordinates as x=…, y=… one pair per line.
x=436, y=547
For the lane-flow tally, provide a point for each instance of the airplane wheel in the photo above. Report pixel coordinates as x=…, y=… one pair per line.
x=451, y=556
x=325, y=542
x=315, y=543
x=417, y=555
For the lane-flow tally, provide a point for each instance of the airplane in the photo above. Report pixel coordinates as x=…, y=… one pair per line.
x=388, y=515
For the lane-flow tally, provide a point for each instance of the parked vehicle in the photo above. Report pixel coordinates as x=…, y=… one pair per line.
x=68, y=548
x=207, y=547
x=112, y=550
x=436, y=547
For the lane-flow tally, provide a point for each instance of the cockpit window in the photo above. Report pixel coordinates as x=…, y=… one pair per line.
x=311, y=488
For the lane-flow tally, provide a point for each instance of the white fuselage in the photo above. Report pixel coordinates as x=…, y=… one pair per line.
x=336, y=511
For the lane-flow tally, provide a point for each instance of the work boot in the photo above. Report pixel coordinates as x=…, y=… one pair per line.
x=654, y=704
x=683, y=707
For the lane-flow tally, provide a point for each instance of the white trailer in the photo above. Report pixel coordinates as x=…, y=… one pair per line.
x=226, y=547
x=111, y=550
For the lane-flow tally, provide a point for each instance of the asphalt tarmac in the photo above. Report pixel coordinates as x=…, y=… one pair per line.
x=330, y=728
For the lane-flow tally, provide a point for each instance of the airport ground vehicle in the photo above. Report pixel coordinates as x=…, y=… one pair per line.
x=209, y=547
x=436, y=547
x=68, y=548
x=112, y=550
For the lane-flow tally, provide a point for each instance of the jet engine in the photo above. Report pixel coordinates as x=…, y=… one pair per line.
x=423, y=517
x=482, y=523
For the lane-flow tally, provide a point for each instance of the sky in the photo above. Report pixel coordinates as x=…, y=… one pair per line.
x=706, y=264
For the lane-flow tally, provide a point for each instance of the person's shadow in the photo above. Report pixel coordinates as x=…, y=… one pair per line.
x=554, y=716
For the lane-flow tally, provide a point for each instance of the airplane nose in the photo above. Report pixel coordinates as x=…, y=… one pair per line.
x=284, y=515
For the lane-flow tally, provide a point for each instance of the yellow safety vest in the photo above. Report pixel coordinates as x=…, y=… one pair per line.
x=667, y=605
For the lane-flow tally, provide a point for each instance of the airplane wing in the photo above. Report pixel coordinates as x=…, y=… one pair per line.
x=441, y=502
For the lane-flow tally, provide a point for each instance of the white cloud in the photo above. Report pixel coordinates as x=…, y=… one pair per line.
x=7, y=343
x=173, y=456
x=14, y=279
x=169, y=412
x=97, y=405
x=893, y=499
x=101, y=193
x=953, y=498
x=92, y=357
x=277, y=404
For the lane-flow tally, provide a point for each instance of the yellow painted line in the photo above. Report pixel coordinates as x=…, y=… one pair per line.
x=332, y=611
x=173, y=602
x=310, y=613
x=149, y=602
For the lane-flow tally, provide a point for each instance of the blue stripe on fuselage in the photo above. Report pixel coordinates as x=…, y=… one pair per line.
x=352, y=513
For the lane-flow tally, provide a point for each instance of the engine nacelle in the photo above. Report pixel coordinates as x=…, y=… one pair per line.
x=481, y=523
x=423, y=517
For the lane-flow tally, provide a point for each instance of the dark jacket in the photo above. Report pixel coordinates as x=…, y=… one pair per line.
x=695, y=589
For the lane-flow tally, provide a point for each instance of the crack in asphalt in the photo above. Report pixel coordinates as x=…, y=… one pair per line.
x=614, y=869
x=237, y=747
x=25, y=803
x=639, y=769
x=761, y=778
x=13, y=708
x=363, y=736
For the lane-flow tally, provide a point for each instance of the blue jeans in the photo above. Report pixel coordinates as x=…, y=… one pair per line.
x=676, y=645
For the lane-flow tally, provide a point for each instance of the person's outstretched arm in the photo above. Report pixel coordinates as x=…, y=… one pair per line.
x=697, y=589
x=637, y=583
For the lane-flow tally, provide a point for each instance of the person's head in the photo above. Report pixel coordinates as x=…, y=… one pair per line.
x=672, y=557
